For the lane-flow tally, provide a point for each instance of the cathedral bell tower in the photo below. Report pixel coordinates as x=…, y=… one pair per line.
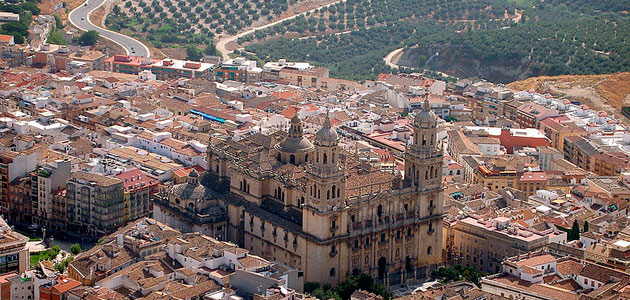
x=423, y=158
x=326, y=181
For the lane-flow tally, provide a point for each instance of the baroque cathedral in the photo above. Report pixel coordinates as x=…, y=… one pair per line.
x=312, y=206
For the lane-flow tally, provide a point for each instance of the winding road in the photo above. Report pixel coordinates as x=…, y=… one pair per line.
x=390, y=57
x=221, y=45
x=80, y=18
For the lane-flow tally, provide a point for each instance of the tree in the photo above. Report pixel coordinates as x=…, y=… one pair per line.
x=56, y=38
x=75, y=248
x=345, y=289
x=574, y=233
x=88, y=38
x=585, y=226
x=456, y=273
x=58, y=23
x=210, y=49
x=193, y=53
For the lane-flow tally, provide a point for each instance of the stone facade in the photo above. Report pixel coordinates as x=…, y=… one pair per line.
x=316, y=208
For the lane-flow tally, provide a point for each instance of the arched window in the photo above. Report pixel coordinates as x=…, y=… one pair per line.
x=338, y=192
x=429, y=249
x=436, y=173
x=432, y=138
x=426, y=174
x=333, y=191
x=278, y=192
x=217, y=168
x=325, y=158
x=332, y=159
x=424, y=141
x=292, y=159
x=279, y=157
x=431, y=173
x=379, y=210
x=306, y=158
x=327, y=194
x=333, y=273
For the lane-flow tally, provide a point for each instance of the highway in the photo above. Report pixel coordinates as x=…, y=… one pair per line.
x=79, y=18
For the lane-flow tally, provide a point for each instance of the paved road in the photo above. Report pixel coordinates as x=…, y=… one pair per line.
x=79, y=17
x=221, y=45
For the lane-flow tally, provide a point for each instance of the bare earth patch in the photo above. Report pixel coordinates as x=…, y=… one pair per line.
x=608, y=92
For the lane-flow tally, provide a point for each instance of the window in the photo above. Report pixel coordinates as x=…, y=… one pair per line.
x=429, y=251
x=333, y=272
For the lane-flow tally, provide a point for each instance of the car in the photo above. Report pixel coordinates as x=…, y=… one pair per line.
x=85, y=4
x=82, y=18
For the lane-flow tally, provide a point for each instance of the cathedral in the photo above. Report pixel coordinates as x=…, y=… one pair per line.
x=315, y=207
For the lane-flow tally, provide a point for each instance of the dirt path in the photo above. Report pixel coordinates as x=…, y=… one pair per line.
x=392, y=58
x=228, y=44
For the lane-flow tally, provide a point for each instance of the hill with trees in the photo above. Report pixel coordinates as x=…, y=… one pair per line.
x=535, y=38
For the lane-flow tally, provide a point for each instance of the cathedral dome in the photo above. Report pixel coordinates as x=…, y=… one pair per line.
x=295, y=142
x=192, y=191
x=326, y=136
x=425, y=118
x=295, y=145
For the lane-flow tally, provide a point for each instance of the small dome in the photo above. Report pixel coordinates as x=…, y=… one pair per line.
x=295, y=142
x=425, y=118
x=326, y=136
x=193, y=173
x=191, y=191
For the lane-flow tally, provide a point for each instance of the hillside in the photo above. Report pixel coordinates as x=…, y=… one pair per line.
x=497, y=40
x=173, y=23
x=608, y=92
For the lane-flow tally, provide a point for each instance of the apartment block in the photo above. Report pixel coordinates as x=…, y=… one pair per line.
x=95, y=203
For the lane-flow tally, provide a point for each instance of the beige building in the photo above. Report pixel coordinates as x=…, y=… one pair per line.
x=316, y=208
x=484, y=244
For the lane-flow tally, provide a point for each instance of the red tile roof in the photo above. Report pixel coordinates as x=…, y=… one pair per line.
x=135, y=179
x=183, y=172
x=5, y=38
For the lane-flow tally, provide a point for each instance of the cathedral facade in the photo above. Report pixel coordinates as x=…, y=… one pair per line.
x=315, y=207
